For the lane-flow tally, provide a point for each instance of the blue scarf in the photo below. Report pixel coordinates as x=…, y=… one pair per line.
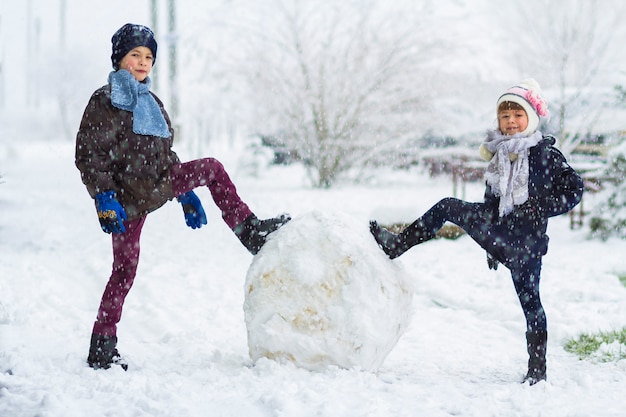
x=129, y=94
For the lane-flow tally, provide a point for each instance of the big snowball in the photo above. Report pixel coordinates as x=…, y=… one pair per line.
x=321, y=293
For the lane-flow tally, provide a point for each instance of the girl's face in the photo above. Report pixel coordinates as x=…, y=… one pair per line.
x=511, y=122
x=138, y=62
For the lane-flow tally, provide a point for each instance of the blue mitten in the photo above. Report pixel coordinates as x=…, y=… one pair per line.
x=110, y=213
x=192, y=207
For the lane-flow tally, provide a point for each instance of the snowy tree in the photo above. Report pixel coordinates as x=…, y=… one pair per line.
x=609, y=217
x=571, y=44
x=621, y=94
x=64, y=92
x=335, y=82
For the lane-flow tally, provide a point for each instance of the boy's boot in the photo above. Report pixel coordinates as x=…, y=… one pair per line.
x=395, y=245
x=252, y=232
x=103, y=353
x=536, y=344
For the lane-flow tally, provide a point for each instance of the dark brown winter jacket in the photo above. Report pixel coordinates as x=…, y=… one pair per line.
x=110, y=156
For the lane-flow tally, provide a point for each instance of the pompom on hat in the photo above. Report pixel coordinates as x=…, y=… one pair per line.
x=131, y=36
x=528, y=95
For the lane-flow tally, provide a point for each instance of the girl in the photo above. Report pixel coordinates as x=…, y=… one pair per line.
x=528, y=180
x=125, y=157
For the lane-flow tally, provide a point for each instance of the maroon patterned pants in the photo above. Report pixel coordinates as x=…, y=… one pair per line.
x=207, y=172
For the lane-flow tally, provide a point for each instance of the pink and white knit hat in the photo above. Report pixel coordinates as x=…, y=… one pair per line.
x=528, y=95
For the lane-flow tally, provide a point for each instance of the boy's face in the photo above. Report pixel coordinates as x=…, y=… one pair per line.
x=511, y=122
x=138, y=62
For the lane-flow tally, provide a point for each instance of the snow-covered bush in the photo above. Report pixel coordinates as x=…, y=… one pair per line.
x=609, y=217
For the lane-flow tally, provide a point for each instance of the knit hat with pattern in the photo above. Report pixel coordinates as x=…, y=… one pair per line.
x=131, y=36
x=528, y=95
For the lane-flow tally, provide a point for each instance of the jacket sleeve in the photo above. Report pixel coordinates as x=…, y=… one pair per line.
x=94, y=145
x=566, y=189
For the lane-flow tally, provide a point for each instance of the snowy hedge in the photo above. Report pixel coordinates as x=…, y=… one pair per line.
x=609, y=217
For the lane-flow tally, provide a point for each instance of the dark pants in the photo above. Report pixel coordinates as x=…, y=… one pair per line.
x=185, y=177
x=480, y=223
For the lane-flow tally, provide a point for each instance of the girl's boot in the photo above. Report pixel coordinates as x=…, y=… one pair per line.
x=395, y=245
x=252, y=232
x=536, y=344
x=103, y=353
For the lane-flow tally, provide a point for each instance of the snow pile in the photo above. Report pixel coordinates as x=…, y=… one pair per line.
x=321, y=293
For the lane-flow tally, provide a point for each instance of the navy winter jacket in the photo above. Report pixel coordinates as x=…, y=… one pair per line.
x=554, y=188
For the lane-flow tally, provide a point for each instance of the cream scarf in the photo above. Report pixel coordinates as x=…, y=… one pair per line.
x=508, y=176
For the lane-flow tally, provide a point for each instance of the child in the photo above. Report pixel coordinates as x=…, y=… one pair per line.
x=123, y=152
x=527, y=181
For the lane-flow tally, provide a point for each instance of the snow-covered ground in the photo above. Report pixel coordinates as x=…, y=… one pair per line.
x=183, y=329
